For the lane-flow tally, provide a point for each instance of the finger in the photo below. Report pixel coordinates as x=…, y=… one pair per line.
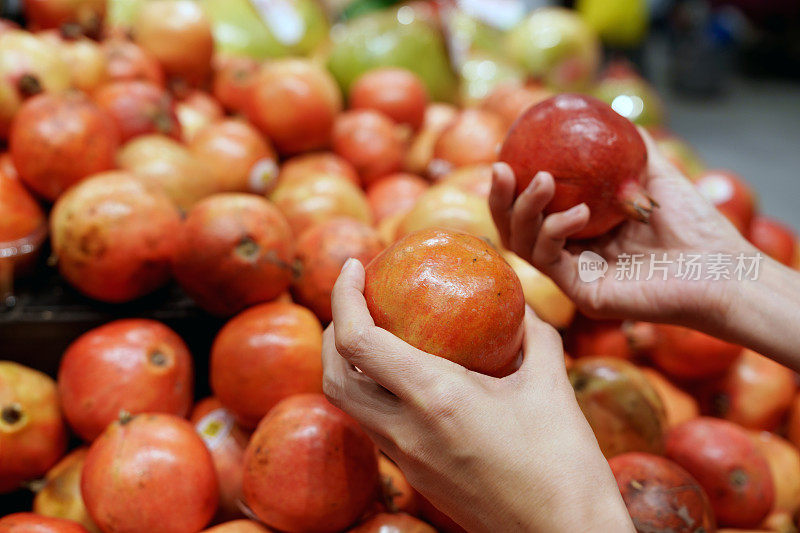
x=391, y=362
x=556, y=228
x=526, y=218
x=542, y=346
x=501, y=199
x=657, y=164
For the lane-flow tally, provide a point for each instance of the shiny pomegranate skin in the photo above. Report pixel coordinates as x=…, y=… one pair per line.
x=23, y=221
x=294, y=103
x=450, y=294
x=148, y=363
x=233, y=78
x=149, y=472
x=34, y=523
x=113, y=236
x=394, y=194
x=322, y=251
x=263, y=355
x=32, y=432
x=730, y=194
x=393, y=523
x=721, y=456
x=233, y=250
x=309, y=467
x=397, y=93
x=684, y=353
x=774, y=238
x=370, y=141
x=58, y=140
x=305, y=165
x=60, y=495
x=139, y=107
x=660, y=495
x=127, y=61
x=595, y=155
x=472, y=138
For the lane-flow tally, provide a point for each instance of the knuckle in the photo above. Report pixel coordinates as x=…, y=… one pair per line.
x=332, y=389
x=352, y=343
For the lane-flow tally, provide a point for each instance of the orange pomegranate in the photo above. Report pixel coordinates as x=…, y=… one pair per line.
x=475, y=179
x=398, y=494
x=34, y=523
x=23, y=223
x=301, y=166
x=679, y=406
x=127, y=61
x=195, y=111
x=86, y=14
x=473, y=137
x=370, y=141
x=684, y=353
x=60, y=494
x=139, y=107
x=397, y=93
x=233, y=78
x=420, y=152
x=509, y=101
x=395, y=193
x=783, y=459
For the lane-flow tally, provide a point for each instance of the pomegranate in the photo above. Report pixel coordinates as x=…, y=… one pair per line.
x=294, y=102
x=784, y=464
x=149, y=472
x=60, y=495
x=23, y=225
x=322, y=251
x=127, y=61
x=541, y=293
x=370, y=141
x=149, y=364
x=113, y=236
x=238, y=526
x=624, y=410
x=755, y=393
x=475, y=179
x=730, y=194
x=226, y=442
x=309, y=467
x=32, y=434
x=28, y=66
x=595, y=155
x=398, y=494
x=395, y=193
x=608, y=338
x=302, y=166
x=320, y=197
x=420, y=152
x=233, y=78
x=233, y=250
x=139, y=107
x=472, y=137
x=726, y=463
x=773, y=238
x=395, y=523
x=660, y=495
x=196, y=111
x=793, y=422
x=679, y=406
x=510, y=100
x=263, y=355
x=85, y=61
x=34, y=523
x=178, y=34
x=684, y=353
x=87, y=14
x=59, y=139
x=238, y=156
x=450, y=294
x=396, y=92
x=164, y=162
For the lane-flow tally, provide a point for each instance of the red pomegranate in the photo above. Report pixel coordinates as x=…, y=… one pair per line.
x=197, y=110
x=773, y=238
x=309, y=467
x=394, y=523
x=660, y=495
x=721, y=456
x=34, y=523
x=233, y=251
x=139, y=107
x=730, y=194
x=394, y=194
x=450, y=294
x=305, y=165
x=294, y=102
x=238, y=156
x=472, y=138
x=149, y=364
x=396, y=92
x=510, y=101
x=623, y=409
x=23, y=223
x=319, y=197
x=113, y=236
x=149, y=472
x=322, y=251
x=226, y=442
x=32, y=434
x=233, y=78
x=60, y=495
x=127, y=61
x=370, y=141
x=238, y=526
x=595, y=155
x=178, y=34
x=688, y=354
x=398, y=494
x=57, y=140
x=609, y=338
x=755, y=392
x=86, y=14
x=263, y=355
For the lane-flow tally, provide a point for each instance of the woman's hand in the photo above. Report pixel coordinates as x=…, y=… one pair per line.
x=685, y=224
x=510, y=454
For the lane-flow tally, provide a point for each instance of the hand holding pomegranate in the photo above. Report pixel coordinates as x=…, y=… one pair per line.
x=451, y=430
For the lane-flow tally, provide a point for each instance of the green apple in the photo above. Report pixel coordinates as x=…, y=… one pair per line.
x=633, y=98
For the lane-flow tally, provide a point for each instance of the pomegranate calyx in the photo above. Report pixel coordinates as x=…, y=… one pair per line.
x=636, y=203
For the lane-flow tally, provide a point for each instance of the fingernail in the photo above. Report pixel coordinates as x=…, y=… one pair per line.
x=576, y=210
x=533, y=185
x=347, y=264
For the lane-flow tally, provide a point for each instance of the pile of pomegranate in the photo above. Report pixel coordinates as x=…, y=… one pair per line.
x=149, y=158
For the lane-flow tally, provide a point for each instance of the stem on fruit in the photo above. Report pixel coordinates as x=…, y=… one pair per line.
x=11, y=414
x=29, y=85
x=635, y=202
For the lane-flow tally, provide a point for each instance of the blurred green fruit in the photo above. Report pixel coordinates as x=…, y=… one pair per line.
x=481, y=73
x=630, y=96
x=618, y=22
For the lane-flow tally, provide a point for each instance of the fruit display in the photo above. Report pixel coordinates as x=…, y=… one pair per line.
x=181, y=185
